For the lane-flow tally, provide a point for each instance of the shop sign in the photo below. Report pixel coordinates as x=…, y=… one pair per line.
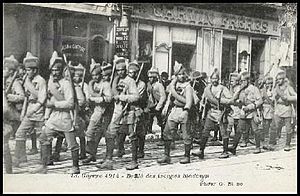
x=205, y=18
x=122, y=42
x=74, y=50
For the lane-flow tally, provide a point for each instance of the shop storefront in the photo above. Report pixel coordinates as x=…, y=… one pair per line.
x=81, y=32
x=202, y=39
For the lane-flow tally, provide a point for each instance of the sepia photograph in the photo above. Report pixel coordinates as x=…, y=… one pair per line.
x=149, y=98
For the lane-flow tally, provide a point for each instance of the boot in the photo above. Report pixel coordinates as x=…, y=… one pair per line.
x=108, y=163
x=75, y=168
x=120, y=145
x=172, y=146
x=33, y=149
x=92, y=156
x=220, y=136
x=141, y=146
x=133, y=165
x=166, y=157
x=187, y=152
x=279, y=133
x=82, y=148
x=64, y=146
x=50, y=159
x=257, y=143
x=225, y=154
x=215, y=138
x=200, y=154
x=20, y=152
x=56, y=155
x=45, y=156
x=236, y=141
x=7, y=159
x=288, y=142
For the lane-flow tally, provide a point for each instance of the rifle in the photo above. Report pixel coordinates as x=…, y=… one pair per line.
x=25, y=103
x=112, y=74
x=5, y=102
x=75, y=110
x=136, y=81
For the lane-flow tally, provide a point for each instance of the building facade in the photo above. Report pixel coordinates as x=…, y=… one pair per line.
x=230, y=37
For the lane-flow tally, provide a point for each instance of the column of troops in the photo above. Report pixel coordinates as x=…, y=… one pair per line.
x=116, y=103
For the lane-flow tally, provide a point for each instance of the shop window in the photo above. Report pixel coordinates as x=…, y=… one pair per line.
x=75, y=50
x=97, y=29
x=74, y=27
x=228, y=58
x=97, y=49
x=145, y=41
x=183, y=54
x=257, y=59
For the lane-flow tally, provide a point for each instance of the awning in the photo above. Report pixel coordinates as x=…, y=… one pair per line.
x=104, y=9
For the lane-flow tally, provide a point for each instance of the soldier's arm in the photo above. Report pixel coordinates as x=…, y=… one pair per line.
x=86, y=91
x=114, y=86
x=175, y=94
x=19, y=94
x=226, y=97
x=106, y=96
x=80, y=96
x=189, y=97
x=292, y=95
x=30, y=87
x=258, y=100
x=133, y=93
x=68, y=103
x=163, y=96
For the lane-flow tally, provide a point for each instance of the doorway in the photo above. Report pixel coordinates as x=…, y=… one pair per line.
x=183, y=54
x=257, y=58
x=228, y=58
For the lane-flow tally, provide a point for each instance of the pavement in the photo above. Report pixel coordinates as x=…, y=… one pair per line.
x=245, y=167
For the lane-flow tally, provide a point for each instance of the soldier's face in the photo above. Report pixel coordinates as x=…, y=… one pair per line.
x=280, y=79
x=95, y=76
x=56, y=73
x=233, y=82
x=151, y=79
x=132, y=73
x=77, y=78
x=105, y=77
x=181, y=76
x=269, y=85
x=31, y=72
x=21, y=72
x=214, y=80
x=244, y=81
x=121, y=73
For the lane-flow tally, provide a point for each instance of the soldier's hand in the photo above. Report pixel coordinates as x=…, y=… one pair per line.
x=10, y=98
x=50, y=104
x=116, y=98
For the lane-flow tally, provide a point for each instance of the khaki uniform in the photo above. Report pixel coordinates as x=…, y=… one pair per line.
x=156, y=99
x=59, y=118
x=179, y=116
x=267, y=110
x=251, y=98
x=129, y=95
x=283, y=111
x=36, y=102
x=101, y=95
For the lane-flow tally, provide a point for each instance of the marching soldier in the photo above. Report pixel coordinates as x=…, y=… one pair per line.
x=249, y=101
x=33, y=108
x=182, y=91
x=267, y=107
x=134, y=72
x=13, y=94
x=100, y=95
x=60, y=105
x=125, y=93
x=284, y=96
x=234, y=87
x=81, y=90
x=156, y=99
x=219, y=98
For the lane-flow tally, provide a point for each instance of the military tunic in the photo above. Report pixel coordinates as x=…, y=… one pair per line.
x=129, y=94
x=179, y=113
x=59, y=117
x=34, y=117
x=100, y=94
